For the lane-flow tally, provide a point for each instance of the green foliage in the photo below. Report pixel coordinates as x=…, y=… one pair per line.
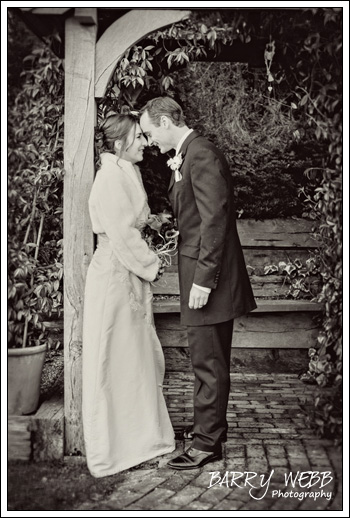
x=266, y=147
x=20, y=41
x=145, y=70
x=303, y=279
x=327, y=415
x=318, y=94
x=35, y=174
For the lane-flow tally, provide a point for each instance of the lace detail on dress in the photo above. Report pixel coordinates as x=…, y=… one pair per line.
x=120, y=271
x=149, y=320
x=140, y=307
x=139, y=291
x=134, y=303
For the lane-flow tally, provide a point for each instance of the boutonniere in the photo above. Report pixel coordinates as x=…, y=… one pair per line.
x=175, y=164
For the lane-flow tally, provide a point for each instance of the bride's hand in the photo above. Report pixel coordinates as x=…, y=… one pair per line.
x=151, y=218
x=149, y=221
x=154, y=222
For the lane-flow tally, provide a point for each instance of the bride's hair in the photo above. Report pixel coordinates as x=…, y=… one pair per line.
x=164, y=106
x=118, y=127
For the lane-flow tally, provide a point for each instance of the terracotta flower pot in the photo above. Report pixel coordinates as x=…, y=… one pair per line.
x=24, y=375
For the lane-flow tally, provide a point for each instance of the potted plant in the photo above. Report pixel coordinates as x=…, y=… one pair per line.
x=34, y=296
x=35, y=271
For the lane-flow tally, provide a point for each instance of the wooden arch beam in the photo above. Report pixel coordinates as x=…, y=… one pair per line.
x=125, y=32
x=79, y=121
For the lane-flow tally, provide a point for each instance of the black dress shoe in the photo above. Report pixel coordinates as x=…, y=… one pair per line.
x=193, y=459
x=189, y=434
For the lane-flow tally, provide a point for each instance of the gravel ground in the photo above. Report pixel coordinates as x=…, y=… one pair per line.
x=55, y=486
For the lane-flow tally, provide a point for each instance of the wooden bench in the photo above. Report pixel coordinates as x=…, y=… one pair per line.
x=278, y=322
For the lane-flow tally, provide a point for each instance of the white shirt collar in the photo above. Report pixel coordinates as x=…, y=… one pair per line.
x=182, y=140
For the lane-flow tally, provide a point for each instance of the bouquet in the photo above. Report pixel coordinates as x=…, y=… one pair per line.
x=161, y=234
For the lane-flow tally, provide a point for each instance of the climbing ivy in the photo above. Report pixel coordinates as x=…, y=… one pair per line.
x=35, y=172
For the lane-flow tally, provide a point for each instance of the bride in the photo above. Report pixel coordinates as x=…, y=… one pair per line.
x=125, y=418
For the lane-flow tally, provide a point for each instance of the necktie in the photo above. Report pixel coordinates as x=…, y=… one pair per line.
x=178, y=175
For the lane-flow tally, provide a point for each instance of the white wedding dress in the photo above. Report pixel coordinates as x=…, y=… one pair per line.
x=125, y=418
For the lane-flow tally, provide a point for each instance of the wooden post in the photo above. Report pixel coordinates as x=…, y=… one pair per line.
x=78, y=237
x=86, y=15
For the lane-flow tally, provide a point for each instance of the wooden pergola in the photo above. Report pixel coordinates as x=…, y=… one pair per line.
x=89, y=64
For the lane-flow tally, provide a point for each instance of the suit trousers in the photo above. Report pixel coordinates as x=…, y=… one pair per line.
x=210, y=350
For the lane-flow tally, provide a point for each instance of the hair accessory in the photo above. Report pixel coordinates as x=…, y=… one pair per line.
x=99, y=138
x=125, y=110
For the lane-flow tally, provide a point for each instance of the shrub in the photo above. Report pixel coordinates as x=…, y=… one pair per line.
x=35, y=173
x=267, y=148
x=318, y=93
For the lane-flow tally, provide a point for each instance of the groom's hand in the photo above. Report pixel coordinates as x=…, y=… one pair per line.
x=198, y=298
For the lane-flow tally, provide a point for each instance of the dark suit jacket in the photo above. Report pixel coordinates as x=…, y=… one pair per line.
x=210, y=252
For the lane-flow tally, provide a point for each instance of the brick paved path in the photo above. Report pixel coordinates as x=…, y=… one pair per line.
x=268, y=437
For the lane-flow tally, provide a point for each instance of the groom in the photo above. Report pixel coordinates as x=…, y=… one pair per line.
x=214, y=284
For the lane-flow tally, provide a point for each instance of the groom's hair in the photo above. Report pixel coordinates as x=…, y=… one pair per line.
x=164, y=106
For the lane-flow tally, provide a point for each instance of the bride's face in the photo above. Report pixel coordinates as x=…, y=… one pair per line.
x=135, y=144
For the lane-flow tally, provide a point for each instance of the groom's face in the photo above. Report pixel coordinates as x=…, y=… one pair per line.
x=157, y=135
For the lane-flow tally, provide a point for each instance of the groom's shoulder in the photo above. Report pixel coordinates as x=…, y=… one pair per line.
x=204, y=145
x=199, y=141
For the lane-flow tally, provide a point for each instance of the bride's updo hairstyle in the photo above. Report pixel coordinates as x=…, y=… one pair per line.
x=118, y=127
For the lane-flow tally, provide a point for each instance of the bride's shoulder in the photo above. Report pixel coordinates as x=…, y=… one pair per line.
x=107, y=172
x=108, y=159
x=108, y=165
